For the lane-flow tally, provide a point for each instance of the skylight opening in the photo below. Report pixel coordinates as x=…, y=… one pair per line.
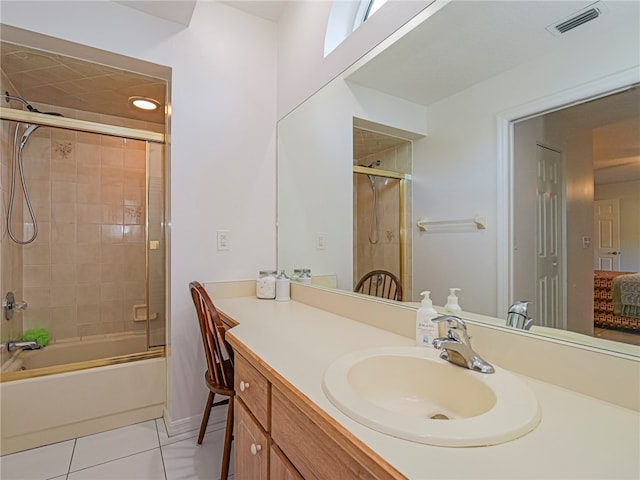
x=345, y=17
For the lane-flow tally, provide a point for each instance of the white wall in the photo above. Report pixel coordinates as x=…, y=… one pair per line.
x=455, y=166
x=629, y=195
x=302, y=67
x=315, y=160
x=222, y=147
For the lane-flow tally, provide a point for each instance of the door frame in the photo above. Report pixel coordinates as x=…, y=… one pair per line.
x=505, y=162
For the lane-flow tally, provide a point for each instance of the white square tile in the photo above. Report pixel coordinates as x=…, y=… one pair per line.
x=141, y=466
x=114, y=444
x=38, y=463
x=185, y=460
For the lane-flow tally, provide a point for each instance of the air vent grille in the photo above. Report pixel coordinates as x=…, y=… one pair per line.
x=578, y=20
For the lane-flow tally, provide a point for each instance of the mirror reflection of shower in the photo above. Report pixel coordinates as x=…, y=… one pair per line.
x=373, y=222
x=22, y=131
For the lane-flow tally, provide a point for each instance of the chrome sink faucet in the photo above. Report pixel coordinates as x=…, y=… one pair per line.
x=456, y=346
x=518, y=315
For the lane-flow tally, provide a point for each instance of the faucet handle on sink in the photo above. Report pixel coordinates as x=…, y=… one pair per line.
x=453, y=323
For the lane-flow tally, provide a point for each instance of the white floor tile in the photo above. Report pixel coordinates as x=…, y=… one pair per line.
x=38, y=463
x=185, y=460
x=141, y=466
x=114, y=444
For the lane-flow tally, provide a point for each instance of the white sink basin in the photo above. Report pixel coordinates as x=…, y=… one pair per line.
x=410, y=393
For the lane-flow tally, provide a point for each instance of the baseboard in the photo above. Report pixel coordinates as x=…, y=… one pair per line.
x=217, y=420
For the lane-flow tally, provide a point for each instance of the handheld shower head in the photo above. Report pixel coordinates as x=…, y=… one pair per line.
x=375, y=163
x=30, y=128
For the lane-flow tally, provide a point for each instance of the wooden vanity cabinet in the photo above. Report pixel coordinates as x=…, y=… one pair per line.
x=281, y=435
x=251, y=446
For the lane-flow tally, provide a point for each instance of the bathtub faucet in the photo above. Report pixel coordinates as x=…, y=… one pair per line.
x=27, y=345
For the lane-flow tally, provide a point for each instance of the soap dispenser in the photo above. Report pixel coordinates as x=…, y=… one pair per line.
x=426, y=328
x=452, y=305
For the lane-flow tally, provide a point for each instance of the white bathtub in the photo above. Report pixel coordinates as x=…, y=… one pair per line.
x=69, y=352
x=58, y=400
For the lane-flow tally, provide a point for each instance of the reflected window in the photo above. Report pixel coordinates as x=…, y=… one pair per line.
x=372, y=7
x=345, y=17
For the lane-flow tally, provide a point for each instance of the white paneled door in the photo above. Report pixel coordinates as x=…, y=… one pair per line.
x=606, y=224
x=549, y=237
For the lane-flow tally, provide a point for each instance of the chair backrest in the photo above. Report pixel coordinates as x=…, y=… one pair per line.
x=380, y=283
x=216, y=349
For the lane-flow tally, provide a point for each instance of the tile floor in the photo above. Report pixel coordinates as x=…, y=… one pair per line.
x=142, y=451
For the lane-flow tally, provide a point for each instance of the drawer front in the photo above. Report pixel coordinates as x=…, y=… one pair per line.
x=280, y=468
x=251, y=447
x=253, y=389
x=312, y=452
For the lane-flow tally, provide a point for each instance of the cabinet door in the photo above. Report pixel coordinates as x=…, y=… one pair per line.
x=253, y=389
x=251, y=449
x=280, y=468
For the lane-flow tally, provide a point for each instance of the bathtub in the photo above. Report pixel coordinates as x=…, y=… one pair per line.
x=72, y=389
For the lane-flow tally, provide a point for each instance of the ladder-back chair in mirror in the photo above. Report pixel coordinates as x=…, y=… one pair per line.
x=219, y=374
x=380, y=283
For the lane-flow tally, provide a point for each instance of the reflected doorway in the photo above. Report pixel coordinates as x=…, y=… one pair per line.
x=600, y=141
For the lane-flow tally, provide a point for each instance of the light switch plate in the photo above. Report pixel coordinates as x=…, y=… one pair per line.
x=321, y=241
x=223, y=240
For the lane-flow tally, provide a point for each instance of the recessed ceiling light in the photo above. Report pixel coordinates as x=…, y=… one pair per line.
x=144, y=103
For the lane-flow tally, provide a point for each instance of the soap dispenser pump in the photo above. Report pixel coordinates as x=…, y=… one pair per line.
x=452, y=305
x=426, y=328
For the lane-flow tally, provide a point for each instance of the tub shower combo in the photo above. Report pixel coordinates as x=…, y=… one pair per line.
x=82, y=256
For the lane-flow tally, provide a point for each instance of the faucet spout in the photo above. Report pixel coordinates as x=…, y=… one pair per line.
x=518, y=315
x=456, y=346
x=26, y=345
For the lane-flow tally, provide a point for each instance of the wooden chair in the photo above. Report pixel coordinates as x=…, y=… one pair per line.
x=380, y=283
x=219, y=374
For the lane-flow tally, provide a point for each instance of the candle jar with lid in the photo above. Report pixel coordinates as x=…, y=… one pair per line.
x=266, y=284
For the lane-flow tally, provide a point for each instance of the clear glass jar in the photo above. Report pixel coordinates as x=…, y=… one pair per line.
x=305, y=276
x=296, y=274
x=266, y=284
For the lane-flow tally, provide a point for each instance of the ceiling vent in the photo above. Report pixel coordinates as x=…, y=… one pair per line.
x=581, y=17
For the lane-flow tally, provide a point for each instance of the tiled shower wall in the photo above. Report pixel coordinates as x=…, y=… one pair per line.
x=385, y=254
x=86, y=269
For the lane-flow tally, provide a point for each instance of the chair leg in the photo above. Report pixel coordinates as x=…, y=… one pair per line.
x=205, y=417
x=228, y=437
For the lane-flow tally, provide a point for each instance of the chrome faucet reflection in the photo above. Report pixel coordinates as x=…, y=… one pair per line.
x=518, y=316
x=456, y=346
x=26, y=345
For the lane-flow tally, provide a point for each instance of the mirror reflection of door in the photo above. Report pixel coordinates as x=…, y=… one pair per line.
x=600, y=144
x=549, y=265
x=606, y=222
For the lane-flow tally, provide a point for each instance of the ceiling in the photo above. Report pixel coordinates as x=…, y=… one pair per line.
x=52, y=79
x=436, y=60
x=181, y=11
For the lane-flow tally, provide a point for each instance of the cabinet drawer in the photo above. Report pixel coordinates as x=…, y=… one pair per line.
x=313, y=452
x=251, y=446
x=253, y=389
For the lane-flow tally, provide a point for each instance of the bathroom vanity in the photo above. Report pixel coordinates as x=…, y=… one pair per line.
x=286, y=427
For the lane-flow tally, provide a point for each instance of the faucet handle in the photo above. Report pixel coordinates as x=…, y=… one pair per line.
x=453, y=322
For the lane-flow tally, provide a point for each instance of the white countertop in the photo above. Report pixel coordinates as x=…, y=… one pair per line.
x=578, y=437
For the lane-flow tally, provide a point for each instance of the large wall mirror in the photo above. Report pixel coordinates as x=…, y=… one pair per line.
x=417, y=160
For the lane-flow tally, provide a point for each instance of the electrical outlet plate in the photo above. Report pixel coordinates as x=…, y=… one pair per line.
x=321, y=241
